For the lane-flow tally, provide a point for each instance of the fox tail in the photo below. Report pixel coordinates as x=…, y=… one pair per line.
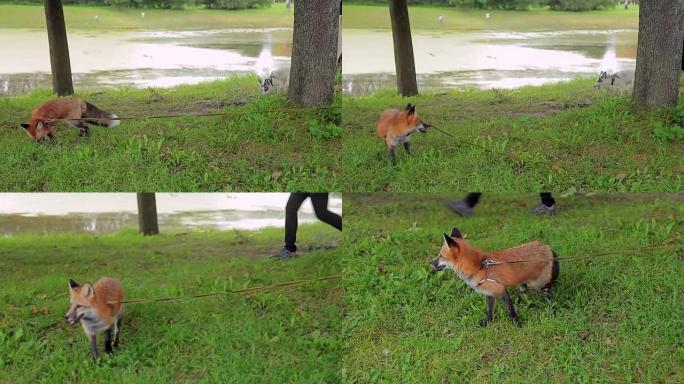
x=95, y=115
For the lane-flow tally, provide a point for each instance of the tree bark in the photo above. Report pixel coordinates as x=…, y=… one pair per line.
x=659, y=51
x=314, y=52
x=147, y=214
x=59, y=48
x=403, y=48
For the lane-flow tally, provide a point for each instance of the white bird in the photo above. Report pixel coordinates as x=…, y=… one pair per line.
x=487, y=15
x=96, y=18
x=440, y=19
x=142, y=15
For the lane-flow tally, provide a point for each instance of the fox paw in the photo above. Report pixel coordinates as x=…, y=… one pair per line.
x=484, y=322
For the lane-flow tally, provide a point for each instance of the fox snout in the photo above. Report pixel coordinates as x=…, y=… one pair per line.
x=437, y=265
x=423, y=128
x=73, y=317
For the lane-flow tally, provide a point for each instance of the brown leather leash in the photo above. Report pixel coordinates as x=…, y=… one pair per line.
x=252, y=289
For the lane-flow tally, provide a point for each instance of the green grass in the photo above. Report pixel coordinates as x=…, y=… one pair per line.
x=564, y=136
x=613, y=319
x=82, y=17
x=277, y=336
x=250, y=149
x=377, y=17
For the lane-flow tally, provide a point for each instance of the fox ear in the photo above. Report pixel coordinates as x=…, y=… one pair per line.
x=73, y=284
x=456, y=233
x=410, y=108
x=25, y=126
x=88, y=290
x=450, y=242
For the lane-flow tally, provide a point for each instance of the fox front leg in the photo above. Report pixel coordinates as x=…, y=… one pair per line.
x=117, y=331
x=407, y=146
x=93, y=347
x=51, y=137
x=108, y=341
x=511, y=311
x=489, y=313
x=392, y=156
x=547, y=292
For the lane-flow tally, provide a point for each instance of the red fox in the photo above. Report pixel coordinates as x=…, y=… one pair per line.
x=396, y=127
x=43, y=119
x=98, y=310
x=479, y=269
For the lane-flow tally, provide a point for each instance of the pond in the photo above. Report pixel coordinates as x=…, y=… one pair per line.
x=50, y=213
x=447, y=60
x=142, y=58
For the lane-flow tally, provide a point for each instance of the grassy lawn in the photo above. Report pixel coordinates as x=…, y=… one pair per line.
x=613, y=319
x=82, y=17
x=564, y=136
x=284, y=335
x=377, y=17
x=251, y=149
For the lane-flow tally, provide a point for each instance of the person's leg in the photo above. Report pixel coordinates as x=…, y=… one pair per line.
x=291, y=223
x=465, y=207
x=547, y=206
x=320, y=205
x=291, y=208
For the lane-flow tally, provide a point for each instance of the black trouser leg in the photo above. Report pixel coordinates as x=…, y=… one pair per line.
x=472, y=199
x=320, y=205
x=547, y=199
x=293, y=203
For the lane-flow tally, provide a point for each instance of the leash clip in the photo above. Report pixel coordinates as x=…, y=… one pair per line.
x=488, y=263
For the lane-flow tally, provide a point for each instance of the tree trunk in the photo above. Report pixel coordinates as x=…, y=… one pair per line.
x=403, y=48
x=659, y=51
x=314, y=52
x=59, y=48
x=147, y=214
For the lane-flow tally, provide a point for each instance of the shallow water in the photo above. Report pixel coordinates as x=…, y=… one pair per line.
x=49, y=213
x=447, y=60
x=142, y=58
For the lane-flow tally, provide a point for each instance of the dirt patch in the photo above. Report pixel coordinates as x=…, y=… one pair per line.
x=207, y=106
x=550, y=108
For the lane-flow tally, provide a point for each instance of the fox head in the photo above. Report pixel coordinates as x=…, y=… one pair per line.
x=603, y=80
x=80, y=300
x=449, y=254
x=38, y=129
x=266, y=84
x=413, y=121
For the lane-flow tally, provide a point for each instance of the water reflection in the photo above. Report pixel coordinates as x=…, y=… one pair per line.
x=48, y=213
x=143, y=59
x=486, y=59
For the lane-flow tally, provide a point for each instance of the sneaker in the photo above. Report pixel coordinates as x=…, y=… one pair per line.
x=284, y=253
x=542, y=209
x=460, y=207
